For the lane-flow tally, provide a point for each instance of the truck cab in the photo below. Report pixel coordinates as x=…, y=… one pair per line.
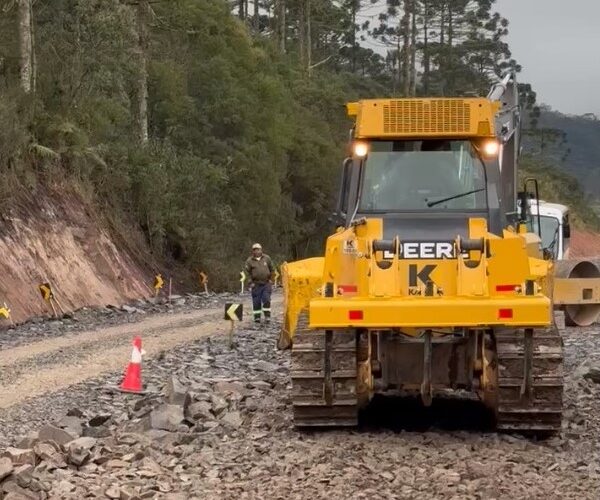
x=555, y=227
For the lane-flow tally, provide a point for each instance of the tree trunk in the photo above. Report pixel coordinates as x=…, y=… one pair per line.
x=426, y=55
x=308, y=38
x=256, y=16
x=142, y=83
x=441, y=62
x=413, y=51
x=354, y=47
x=399, y=61
x=302, y=33
x=406, y=49
x=450, y=62
x=241, y=9
x=442, y=24
x=33, y=55
x=283, y=25
x=450, y=27
x=281, y=30
x=26, y=45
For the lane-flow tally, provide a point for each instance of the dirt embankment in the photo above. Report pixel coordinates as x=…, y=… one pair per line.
x=584, y=244
x=58, y=239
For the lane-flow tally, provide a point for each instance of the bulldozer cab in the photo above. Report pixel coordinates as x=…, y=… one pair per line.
x=422, y=175
x=426, y=166
x=424, y=189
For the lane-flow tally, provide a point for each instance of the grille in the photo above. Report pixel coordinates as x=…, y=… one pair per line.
x=441, y=116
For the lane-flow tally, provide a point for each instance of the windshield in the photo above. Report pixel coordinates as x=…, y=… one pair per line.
x=420, y=175
x=549, y=229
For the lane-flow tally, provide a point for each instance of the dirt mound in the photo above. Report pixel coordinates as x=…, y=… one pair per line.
x=584, y=244
x=58, y=239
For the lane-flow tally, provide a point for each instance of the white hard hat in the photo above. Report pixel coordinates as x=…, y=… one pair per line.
x=257, y=246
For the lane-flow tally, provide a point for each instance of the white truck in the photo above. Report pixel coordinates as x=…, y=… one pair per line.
x=555, y=225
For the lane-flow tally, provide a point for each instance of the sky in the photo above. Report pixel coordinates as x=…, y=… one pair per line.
x=558, y=44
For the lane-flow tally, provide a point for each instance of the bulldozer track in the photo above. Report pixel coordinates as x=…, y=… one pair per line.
x=324, y=374
x=530, y=397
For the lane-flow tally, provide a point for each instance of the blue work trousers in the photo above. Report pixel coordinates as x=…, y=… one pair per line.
x=261, y=301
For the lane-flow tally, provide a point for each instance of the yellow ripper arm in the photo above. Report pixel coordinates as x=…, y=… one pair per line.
x=301, y=281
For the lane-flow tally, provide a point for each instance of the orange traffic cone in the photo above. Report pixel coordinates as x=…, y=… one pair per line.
x=132, y=382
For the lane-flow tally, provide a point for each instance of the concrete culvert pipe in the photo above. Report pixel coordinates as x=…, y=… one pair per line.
x=581, y=314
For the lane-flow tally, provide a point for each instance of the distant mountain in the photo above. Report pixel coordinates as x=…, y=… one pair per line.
x=583, y=141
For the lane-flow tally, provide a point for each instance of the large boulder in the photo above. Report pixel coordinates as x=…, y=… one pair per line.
x=20, y=456
x=6, y=467
x=167, y=417
x=60, y=436
x=175, y=391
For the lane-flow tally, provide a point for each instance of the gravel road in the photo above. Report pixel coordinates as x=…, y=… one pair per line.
x=243, y=444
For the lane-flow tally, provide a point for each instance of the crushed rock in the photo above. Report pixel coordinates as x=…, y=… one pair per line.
x=219, y=426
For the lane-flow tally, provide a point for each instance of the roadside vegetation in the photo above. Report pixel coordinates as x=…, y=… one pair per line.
x=209, y=125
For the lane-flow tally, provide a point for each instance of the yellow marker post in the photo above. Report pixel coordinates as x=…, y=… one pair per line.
x=47, y=294
x=158, y=284
x=242, y=281
x=5, y=312
x=46, y=291
x=204, y=282
x=233, y=313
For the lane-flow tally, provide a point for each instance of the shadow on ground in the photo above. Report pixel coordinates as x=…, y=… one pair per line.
x=409, y=414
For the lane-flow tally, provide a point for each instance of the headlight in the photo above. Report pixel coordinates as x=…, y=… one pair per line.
x=361, y=149
x=491, y=148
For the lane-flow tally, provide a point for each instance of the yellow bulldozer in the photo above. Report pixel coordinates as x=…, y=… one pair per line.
x=436, y=279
